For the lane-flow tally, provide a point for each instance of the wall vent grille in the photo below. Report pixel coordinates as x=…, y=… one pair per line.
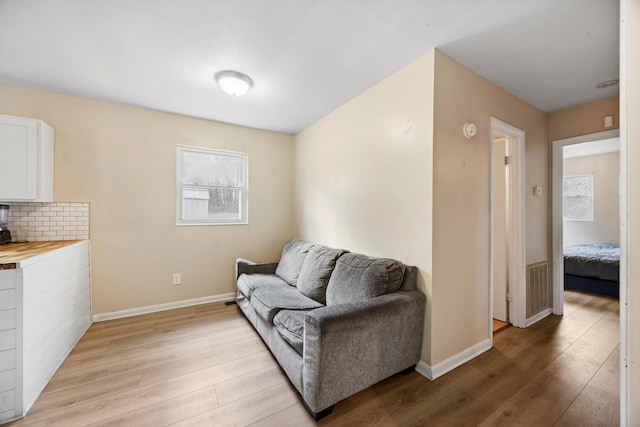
x=538, y=292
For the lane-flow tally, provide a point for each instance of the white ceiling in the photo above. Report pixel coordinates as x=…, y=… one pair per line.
x=306, y=57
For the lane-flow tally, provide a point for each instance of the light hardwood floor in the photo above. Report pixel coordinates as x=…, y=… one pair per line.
x=206, y=366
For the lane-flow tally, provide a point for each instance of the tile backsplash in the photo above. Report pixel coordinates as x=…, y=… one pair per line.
x=49, y=221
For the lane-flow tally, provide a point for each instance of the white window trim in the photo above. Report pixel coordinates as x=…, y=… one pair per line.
x=244, y=201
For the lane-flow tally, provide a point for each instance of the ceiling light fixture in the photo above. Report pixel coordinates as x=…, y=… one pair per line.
x=233, y=82
x=608, y=83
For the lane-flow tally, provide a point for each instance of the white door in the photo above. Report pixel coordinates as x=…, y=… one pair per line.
x=512, y=232
x=500, y=230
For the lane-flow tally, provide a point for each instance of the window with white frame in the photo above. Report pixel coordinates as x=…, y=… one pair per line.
x=577, y=197
x=212, y=186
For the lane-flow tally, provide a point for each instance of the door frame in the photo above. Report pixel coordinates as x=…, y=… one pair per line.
x=556, y=210
x=517, y=241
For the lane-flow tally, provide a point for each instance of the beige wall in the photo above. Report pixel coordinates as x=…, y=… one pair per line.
x=363, y=174
x=605, y=226
x=460, y=309
x=122, y=160
x=584, y=120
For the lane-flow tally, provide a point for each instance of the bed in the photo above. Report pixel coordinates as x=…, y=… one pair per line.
x=593, y=268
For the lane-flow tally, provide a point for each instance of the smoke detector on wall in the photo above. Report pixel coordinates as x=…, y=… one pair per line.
x=469, y=130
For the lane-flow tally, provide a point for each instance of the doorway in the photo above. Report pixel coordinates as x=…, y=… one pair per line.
x=557, y=225
x=507, y=259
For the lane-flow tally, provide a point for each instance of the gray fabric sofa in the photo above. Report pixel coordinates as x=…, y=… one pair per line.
x=337, y=322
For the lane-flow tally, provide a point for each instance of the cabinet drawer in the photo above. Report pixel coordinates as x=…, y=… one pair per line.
x=7, y=299
x=7, y=319
x=7, y=360
x=7, y=339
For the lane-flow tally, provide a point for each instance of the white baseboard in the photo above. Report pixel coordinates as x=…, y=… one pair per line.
x=538, y=317
x=433, y=372
x=101, y=317
x=425, y=370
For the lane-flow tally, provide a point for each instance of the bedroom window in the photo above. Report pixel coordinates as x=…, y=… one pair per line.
x=577, y=197
x=212, y=186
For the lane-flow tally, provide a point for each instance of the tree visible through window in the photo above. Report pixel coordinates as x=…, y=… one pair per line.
x=211, y=186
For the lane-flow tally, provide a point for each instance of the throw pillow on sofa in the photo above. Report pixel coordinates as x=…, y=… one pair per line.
x=359, y=277
x=316, y=271
x=293, y=255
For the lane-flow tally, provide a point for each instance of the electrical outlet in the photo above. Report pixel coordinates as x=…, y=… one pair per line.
x=177, y=278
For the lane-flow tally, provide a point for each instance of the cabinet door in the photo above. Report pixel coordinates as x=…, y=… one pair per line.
x=18, y=158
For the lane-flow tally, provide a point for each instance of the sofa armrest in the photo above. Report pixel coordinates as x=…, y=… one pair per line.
x=349, y=347
x=245, y=266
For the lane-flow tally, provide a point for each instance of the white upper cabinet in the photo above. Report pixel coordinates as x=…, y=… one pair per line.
x=26, y=160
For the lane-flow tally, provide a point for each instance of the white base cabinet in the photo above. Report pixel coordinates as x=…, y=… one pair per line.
x=45, y=308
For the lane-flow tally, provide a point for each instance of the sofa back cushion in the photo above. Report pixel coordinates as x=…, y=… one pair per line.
x=293, y=255
x=359, y=277
x=316, y=271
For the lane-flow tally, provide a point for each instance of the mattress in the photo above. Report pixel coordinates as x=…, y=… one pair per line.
x=599, y=260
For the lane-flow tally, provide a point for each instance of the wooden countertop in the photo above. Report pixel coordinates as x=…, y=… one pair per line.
x=13, y=253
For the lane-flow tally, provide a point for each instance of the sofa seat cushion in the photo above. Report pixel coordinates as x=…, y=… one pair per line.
x=316, y=271
x=290, y=325
x=293, y=255
x=268, y=301
x=247, y=283
x=358, y=277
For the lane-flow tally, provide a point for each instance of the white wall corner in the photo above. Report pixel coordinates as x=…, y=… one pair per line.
x=434, y=372
x=101, y=317
x=425, y=370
